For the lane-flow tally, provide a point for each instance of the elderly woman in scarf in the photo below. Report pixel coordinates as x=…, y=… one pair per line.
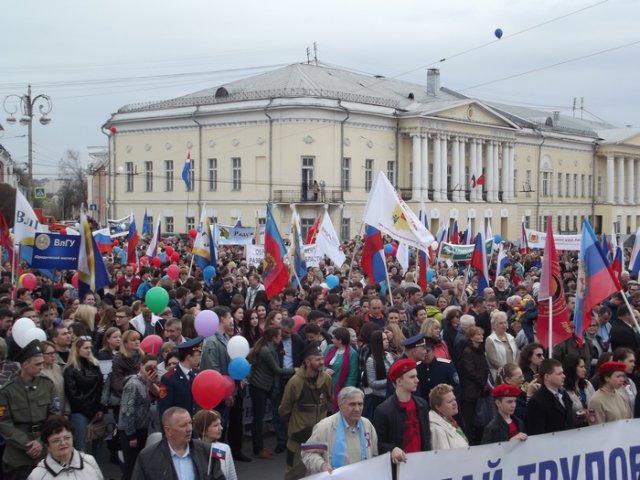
x=344, y=438
x=341, y=362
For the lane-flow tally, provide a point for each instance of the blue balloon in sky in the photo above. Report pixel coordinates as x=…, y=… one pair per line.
x=498, y=33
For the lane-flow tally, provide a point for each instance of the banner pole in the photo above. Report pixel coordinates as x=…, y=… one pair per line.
x=550, y=327
x=631, y=310
x=355, y=250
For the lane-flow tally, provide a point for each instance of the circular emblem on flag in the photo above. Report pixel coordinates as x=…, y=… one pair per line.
x=43, y=241
x=162, y=389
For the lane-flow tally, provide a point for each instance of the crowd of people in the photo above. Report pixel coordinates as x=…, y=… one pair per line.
x=345, y=373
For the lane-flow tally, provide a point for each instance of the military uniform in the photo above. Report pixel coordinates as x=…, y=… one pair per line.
x=175, y=385
x=24, y=407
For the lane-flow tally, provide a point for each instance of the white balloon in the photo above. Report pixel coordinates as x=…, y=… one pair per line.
x=20, y=328
x=434, y=246
x=238, y=347
x=34, y=334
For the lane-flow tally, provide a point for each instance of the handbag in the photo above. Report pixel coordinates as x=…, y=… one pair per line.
x=484, y=406
x=96, y=430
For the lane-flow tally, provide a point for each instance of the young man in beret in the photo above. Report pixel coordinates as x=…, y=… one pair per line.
x=402, y=420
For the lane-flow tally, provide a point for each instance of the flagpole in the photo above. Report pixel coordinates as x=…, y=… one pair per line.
x=355, y=250
x=550, y=326
x=631, y=310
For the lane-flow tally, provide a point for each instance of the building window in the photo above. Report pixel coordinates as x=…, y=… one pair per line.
x=191, y=223
x=527, y=183
x=590, y=186
x=411, y=175
x=575, y=185
x=559, y=224
x=236, y=174
x=559, y=184
x=583, y=190
x=391, y=172
x=345, y=179
x=599, y=186
x=168, y=175
x=345, y=228
x=368, y=174
x=213, y=220
x=150, y=221
x=213, y=174
x=192, y=184
x=307, y=173
x=148, y=176
x=527, y=221
x=567, y=185
x=546, y=184
x=168, y=224
x=575, y=223
x=515, y=183
x=305, y=226
x=129, y=177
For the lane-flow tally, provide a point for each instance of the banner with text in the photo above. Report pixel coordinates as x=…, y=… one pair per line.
x=378, y=468
x=255, y=255
x=461, y=253
x=563, y=242
x=55, y=251
x=600, y=452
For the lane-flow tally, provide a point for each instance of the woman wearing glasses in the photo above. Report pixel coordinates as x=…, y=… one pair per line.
x=53, y=372
x=62, y=460
x=531, y=357
x=83, y=388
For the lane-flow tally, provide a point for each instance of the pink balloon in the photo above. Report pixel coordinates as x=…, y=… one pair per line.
x=298, y=321
x=151, y=344
x=173, y=271
x=38, y=303
x=74, y=280
x=29, y=281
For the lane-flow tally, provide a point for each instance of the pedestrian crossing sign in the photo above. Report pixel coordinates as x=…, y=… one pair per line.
x=40, y=193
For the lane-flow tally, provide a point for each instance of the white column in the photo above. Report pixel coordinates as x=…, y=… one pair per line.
x=455, y=169
x=488, y=178
x=620, y=197
x=437, y=169
x=463, y=162
x=637, y=180
x=610, y=177
x=505, y=172
x=415, y=184
x=443, y=159
x=424, y=182
x=479, y=158
x=473, y=167
x=512, y=169
x=631, y=192
x=496, y=170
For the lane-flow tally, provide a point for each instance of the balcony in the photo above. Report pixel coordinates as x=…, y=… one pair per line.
x=298, y=196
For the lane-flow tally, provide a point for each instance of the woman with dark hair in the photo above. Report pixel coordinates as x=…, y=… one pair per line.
x=450, y=324
x=237, y=313
x=578, y=387
x=375, y=374
x=531, y=357
x=474, y=373
x=250, y=328
x=607, y=405
x=261, y=309
x=63, y=461
x=189, y=326
x=264, y=380
x=341, y=362
x=110, y=344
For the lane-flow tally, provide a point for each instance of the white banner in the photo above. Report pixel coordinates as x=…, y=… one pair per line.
x=563, y=242
x=378, y=468
x=311, y=255
x=255, y=255
x=601, y=452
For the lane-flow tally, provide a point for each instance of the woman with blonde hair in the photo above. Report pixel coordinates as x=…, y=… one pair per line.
x=53, y=371
x=395, y=337
x=86, y=314
x=126, y=362
x=500, y=346
x=431, y=328
x=83, y=389
x=445, y=431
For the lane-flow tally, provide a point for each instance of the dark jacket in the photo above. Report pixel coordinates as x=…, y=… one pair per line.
x=83, y=388
x=545, y=414
x=497, y=430
x=175, y=389
x=266, y=371
x=388, y=420
x=154, y=463
x=623, y=335
x=474, y=372
x=121, y=368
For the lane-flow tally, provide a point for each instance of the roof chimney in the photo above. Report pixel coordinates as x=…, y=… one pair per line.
x=433, y=82
x=556, y=116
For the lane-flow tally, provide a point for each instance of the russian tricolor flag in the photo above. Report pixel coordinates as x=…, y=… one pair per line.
x=479, y=262
x=373, y=256
x=103, y=240
x=634, y=262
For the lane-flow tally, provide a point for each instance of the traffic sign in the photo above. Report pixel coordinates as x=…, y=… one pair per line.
x=93, y=207
x=40, y=193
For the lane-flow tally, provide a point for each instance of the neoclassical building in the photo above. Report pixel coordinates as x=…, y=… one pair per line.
x=268, y=138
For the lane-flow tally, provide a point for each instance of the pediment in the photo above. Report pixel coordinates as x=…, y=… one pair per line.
x=476, y=113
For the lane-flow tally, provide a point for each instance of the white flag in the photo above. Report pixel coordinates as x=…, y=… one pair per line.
x=328, y=242
x=402, y=255
x=152, y=250
x=26, y=223
x=387, y=212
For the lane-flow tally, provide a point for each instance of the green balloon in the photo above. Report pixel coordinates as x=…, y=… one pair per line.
x=157, y=299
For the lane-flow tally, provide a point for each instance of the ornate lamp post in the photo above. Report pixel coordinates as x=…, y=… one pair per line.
x=26, y=104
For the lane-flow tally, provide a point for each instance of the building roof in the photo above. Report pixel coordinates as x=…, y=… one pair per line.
x=617, y=135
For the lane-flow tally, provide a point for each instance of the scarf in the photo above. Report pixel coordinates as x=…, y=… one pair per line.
x=344, y=371
x=339, y=454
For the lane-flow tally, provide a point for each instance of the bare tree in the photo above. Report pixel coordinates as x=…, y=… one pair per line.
x=74, y=188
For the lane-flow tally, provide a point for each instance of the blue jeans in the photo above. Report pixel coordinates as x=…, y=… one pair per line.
x=80, y=423
x=278, y=425
x=258, y=403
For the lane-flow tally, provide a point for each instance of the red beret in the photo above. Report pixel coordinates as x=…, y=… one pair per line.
x=607, y=367
x=401, y=367
x=505, y=390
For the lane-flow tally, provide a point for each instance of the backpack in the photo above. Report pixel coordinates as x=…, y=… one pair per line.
x=107, y=397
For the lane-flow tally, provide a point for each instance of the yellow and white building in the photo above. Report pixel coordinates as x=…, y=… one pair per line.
x=262, y=139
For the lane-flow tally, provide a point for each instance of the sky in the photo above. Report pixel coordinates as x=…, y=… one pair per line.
x=92, y=57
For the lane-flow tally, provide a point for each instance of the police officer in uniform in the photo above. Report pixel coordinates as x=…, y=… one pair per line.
x=434, y=371
x=175, y=385
x=26, y=401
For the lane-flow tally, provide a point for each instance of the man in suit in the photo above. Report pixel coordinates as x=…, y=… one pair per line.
x=175, y=385
x=623, y=333
x=549, y=409
x=177, y=455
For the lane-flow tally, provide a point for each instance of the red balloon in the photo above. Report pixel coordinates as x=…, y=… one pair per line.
x=114, y=129
x=208, y=389
x=156, y=261
x=29, y=281
x=116, y=243
x=151, y=344
x=74, y=280
x=193, y=233
x=230, y=385
x=169, y=251
x=175, y=257
x=63, y=231
x=298, y=321
x=38, y=303
x=134, y=266
x=144, y=260
x=173, y=271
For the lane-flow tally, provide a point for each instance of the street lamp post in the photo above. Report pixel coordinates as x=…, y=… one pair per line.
x=27, y=104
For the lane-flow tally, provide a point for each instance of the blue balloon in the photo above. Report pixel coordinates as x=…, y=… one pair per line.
x=162, y=256
x=497, y=238
x=498, y=33
x=332, y=281
x=388, y=249
x=239, y=368
x=117, y=250
x=430, y=274
x=118, y=228
x=209, y=272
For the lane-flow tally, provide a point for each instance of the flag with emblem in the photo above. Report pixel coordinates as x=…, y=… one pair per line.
x=276, y=274
x=92, y=272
